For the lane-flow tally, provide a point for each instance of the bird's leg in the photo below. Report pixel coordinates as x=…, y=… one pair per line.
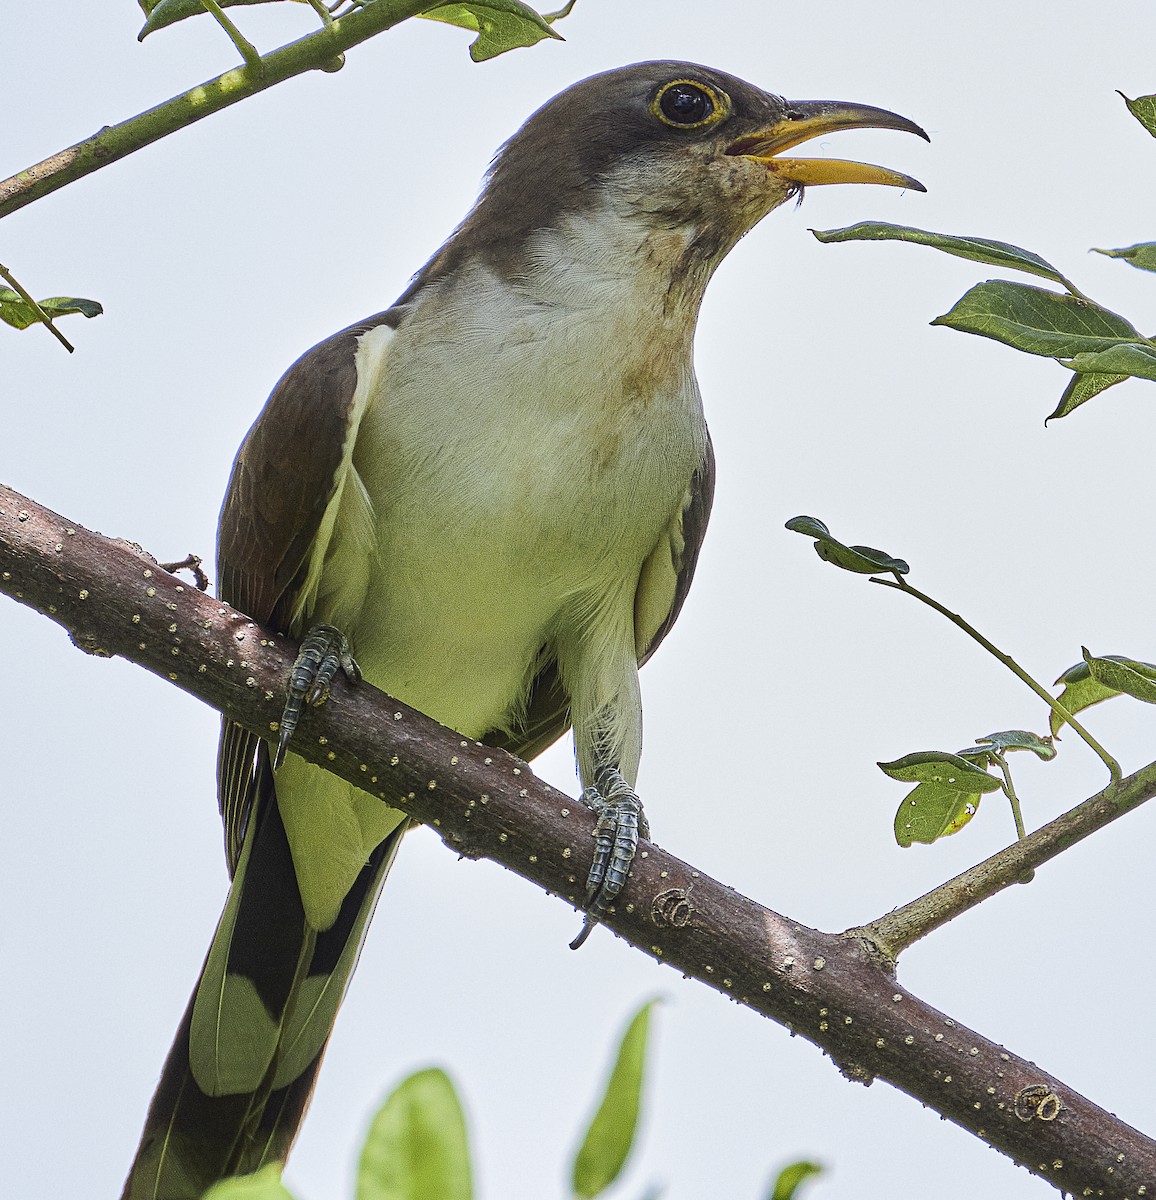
x=324, y=651
x=621, y=822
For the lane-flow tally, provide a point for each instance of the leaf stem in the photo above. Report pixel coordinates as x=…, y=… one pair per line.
x=322, y=10
x=245, y=48
x=1075, y=291
x=900, y=584
x=564, y=11
x=44, y=318
x=1010, y=792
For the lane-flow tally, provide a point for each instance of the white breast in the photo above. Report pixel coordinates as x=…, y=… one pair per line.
x=522, y=451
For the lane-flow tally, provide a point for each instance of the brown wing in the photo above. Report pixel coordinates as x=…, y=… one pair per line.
x=283, y=479
x=662, y=589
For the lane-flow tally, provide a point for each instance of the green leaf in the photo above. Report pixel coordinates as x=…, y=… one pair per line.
x=1142, y=256
x=978, y=756
x=1037, y=321
x=932, y=811
x=265, y=1184
x=18, y=313
x=1080, y=390
x=1020, y=739
x=811, y=526
x=1143, y=108
x=501, y=25
x=984, y=250
x=786, y=1186
x=939, y=767
x=946, y=798
x=863, y=560
x=168, y=12
x=1099, y=678
x=1080, y=691
x=1137, y=359
x=609, y=1138
x=1136, y=679
x=417, y=1146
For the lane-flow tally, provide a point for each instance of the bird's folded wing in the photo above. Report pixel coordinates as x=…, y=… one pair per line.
x=279, y=509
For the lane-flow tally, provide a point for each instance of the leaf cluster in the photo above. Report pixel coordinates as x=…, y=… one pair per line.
x=1100, y=347
x=500, y=25
x=949, y=786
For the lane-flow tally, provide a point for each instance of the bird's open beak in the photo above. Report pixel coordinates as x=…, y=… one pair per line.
x=813, y=118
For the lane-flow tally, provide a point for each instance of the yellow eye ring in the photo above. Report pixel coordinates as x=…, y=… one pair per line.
x=689, y=104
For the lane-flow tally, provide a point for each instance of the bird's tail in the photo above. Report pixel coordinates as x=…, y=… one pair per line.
x=239, y=1075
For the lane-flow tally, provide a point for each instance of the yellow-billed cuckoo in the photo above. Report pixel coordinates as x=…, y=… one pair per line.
x=496, y=490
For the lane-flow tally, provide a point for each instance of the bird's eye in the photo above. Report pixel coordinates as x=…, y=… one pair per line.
x=687, y=105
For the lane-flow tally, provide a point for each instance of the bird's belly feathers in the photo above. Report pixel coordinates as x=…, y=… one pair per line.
x=516, y=504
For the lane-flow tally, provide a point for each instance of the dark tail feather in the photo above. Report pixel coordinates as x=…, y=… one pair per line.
x=193, y=1137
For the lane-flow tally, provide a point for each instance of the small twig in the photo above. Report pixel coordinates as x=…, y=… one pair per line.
x=897, y=930
x=191, y=562
x=901, y=585
x=42, y=316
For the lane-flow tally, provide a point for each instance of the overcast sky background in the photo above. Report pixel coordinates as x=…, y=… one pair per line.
x=225, y=251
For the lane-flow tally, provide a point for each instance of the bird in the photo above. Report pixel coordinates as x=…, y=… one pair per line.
x=488, y=501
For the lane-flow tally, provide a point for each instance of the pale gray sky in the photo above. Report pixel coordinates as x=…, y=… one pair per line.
x=225, y=251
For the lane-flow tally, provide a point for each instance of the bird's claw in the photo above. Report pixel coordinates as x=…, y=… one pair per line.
x=324, y=651
x=621, y=822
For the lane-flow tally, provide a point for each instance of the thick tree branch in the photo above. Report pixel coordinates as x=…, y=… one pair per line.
x=320, y=51
x=828, y=988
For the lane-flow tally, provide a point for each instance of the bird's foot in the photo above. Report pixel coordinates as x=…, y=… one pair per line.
x=621, y=822
x=324, y=651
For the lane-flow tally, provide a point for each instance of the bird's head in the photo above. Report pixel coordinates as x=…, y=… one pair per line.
x=683, y=159
x=677, y=145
